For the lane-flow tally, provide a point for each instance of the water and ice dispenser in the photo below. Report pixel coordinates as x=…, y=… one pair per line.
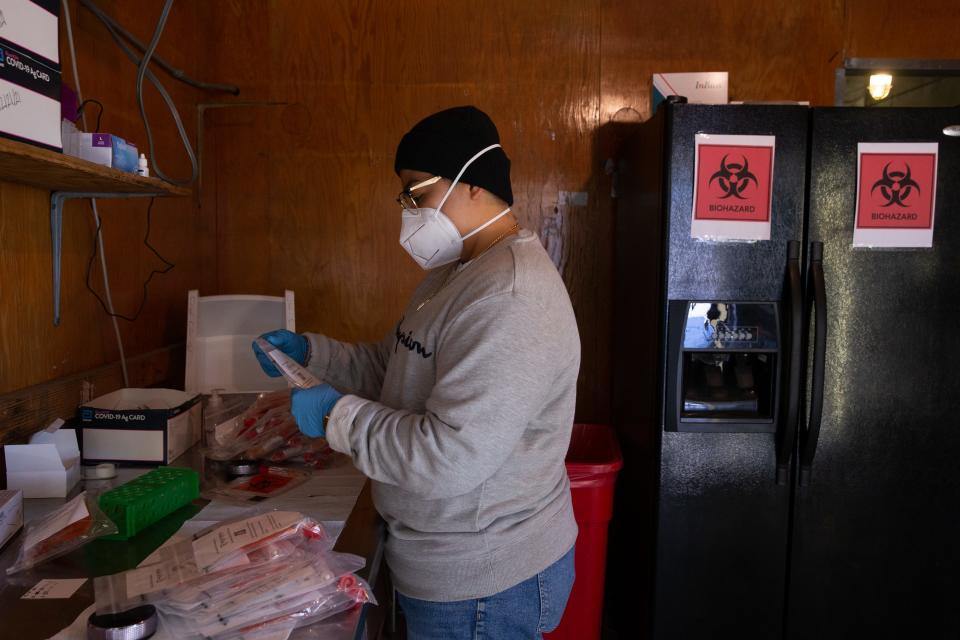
x=723, y=367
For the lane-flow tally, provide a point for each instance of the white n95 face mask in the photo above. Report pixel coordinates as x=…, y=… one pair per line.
x=430, y=237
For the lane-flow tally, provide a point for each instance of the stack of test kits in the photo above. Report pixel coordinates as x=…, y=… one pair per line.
x=266, y=431
x=266, y=572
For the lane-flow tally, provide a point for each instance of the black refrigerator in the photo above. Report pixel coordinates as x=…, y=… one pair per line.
x=788, y=403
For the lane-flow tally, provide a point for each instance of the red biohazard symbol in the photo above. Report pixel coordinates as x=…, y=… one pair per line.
x=895, y=186
x=733, y=182
x=733, y=178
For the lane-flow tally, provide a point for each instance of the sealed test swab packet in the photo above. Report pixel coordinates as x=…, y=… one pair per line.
x=71, y=526
x=260, y=429
x=267, y=427
x=296, y=374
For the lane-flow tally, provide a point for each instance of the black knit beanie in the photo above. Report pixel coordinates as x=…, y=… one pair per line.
x=442, y=143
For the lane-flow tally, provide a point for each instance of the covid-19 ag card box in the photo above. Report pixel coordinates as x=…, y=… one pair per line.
x=29, y=100
x=145, y=426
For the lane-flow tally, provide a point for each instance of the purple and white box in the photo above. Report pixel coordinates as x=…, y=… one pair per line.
x=102, y=148
x=95, y=147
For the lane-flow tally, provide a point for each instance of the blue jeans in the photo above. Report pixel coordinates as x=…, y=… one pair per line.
x=524, y=611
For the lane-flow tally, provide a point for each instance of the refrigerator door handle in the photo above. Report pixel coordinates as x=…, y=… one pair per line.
x=809, y=438
x=791, y=415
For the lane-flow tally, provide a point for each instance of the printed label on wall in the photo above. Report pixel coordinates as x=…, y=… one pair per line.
x=732, y=187
x=896, y=193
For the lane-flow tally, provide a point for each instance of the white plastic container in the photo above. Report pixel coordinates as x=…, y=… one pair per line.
x=221, y=365
x=47, y=467
x=220, y=335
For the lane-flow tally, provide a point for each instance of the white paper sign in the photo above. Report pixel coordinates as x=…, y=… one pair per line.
x=896, y=194
x=53, y=589
x=732, y=187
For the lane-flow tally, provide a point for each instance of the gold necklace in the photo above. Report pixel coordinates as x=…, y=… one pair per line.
x=499, y=238
x=450, y=277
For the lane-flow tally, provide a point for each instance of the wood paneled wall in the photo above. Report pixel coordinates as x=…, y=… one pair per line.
x=298, y=184
x=303, y=189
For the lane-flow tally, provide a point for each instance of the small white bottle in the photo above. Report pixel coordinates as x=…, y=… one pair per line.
x=142, y=168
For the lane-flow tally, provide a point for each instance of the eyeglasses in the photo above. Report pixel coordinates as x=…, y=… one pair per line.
x=407, y=200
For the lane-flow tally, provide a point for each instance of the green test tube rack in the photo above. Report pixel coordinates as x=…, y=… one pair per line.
x=137, y=504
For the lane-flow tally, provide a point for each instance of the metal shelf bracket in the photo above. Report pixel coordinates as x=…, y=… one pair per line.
x=57, y=200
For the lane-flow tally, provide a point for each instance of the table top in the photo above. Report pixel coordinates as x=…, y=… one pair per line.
x=337, y=494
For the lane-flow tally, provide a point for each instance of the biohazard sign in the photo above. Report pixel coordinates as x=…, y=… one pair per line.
x=896, y=193
x=732, y=187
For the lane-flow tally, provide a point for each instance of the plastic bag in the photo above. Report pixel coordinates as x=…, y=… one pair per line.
x=293, y=597
x=315, y=452
x=268, y=482
x=70, y=527
x=221, y=408
x=319, y=458
x=349, y=591
x=237, y=545
x=216, y=596
x=242, y=579
x=232, y=437
x=269, y=433
x=256, y=432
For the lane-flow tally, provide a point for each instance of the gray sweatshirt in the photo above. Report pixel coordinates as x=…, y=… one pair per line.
x=461, y=417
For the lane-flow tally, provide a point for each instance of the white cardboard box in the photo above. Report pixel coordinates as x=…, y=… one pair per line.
x=29, y=100
x=47, y=467
x=93, y=147
x=11, y=514
x=698, y=88
x=149, y=426
x=33, y=26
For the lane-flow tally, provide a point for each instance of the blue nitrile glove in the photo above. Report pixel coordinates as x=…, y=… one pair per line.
x=292, y=344
x=310, y=406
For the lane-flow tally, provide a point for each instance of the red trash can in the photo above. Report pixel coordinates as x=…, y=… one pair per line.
x=593, y=461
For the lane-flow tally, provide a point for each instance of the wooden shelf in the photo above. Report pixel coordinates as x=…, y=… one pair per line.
x=68, y=178
x=54, y=171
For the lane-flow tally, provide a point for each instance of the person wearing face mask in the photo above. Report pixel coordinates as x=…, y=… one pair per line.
x=462, y=415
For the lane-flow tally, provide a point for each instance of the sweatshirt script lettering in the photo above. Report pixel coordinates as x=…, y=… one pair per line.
x=406, y=339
